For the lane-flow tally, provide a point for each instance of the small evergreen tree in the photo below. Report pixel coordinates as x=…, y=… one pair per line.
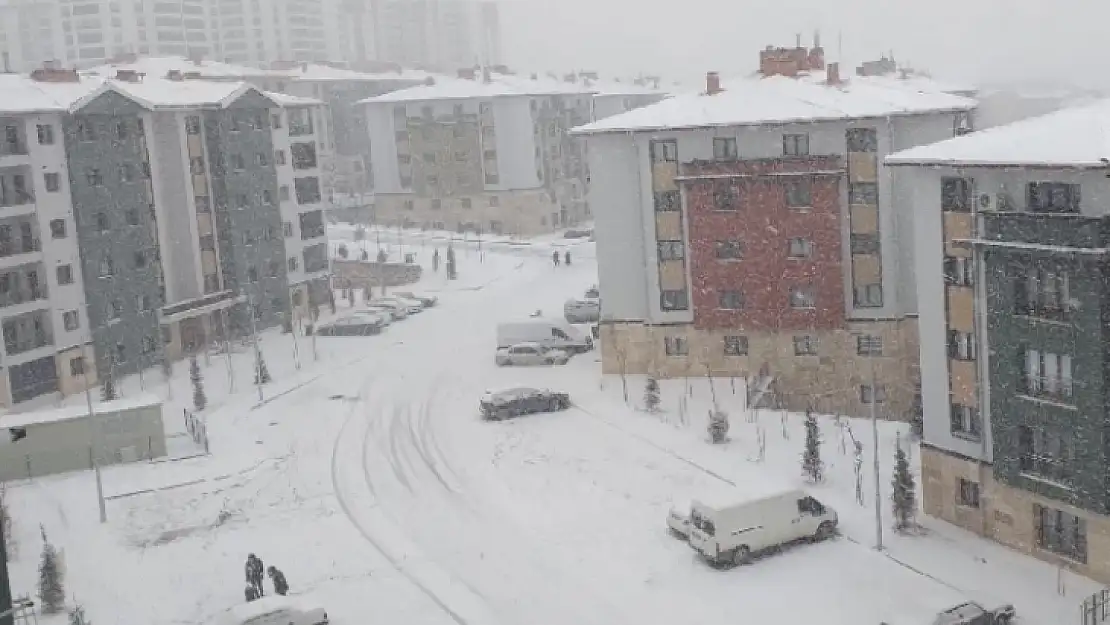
x=360, y=232
x=904, y=495
x=365, y=256
x=77, y=616
x=51, y=587
x=382, y=256
x=812, y=466
x=261, y=373
x=651, y=395
x=200, y=400
x=108, y=388
x=342, y=251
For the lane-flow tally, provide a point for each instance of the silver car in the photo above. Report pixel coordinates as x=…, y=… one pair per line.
x=582, y=310
x=530, y=354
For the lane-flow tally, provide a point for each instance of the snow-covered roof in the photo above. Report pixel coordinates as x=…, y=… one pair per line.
x=20, y=94
x=499, y=86
x=912, y=82
x=612, y=87
x=186, y=94
x=779, y=99
x=291, y=101
x=77, y=411
x=159, y=66
x=1072, y=137
x=317, y=72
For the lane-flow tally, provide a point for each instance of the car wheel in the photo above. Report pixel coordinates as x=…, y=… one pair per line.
x=549, y=361
x=742, y=555
x=825, y=531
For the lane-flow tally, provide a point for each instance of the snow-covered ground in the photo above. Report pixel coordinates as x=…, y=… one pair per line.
x=368, y=478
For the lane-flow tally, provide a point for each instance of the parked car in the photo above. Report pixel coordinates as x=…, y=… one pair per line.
x=427, y=300
x=410, y=306
x=275, y=610
x=678, y=521
x=525, y=354
x=398, y=310
x=578, y=233
x=582, y=310
x=521, y=401
x=593, y=293
x=974, y=614
x=353, y=325
x=386, y=313
x=551, y=333
x=731, y=531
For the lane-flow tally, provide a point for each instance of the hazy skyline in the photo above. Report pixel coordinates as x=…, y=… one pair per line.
x=982, y=41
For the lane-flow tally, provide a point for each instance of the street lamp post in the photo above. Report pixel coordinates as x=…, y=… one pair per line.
x=257, y=349
x=875, y=453
x=95, y=461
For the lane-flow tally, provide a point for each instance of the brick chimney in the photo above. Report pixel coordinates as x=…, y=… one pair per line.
x=832, y=75
x=53, y=74
x=128, y=75
x=467, y=73
x=175, y=75
x=712, y=83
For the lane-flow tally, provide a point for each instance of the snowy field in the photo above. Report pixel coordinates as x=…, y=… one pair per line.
x=367, y=477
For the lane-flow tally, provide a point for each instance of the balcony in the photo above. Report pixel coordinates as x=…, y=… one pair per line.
x=15, y=187
x=308, y=190
x=304, y=155
x=316, y=258
x=1050, y=230
x=300, y=122
x=27, y=332
x=312, y=225
x=13, y=140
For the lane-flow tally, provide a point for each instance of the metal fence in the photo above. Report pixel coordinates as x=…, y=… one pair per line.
x=197, y=429
x=1096, y=608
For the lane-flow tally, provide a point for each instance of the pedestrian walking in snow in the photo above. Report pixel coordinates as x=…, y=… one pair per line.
x=555, y=258
x=254, y=571
x=568, y=258
x=251, y=593
x=435, y=260
x=278, y=578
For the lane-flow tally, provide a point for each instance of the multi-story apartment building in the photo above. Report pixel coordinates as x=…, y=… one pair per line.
x=30, y=34
x=439, y=35
x=1011, y=266
x=481, y=153
x=752, y=230
x=46, y=346
x=258, y=32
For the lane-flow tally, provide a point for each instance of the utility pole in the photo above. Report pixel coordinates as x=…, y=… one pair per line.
x=257, y=349
x=875, y=453
x=93, y=428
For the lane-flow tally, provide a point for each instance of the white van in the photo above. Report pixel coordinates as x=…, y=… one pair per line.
x=275, y=610
x=730, y=532
x=550, y=333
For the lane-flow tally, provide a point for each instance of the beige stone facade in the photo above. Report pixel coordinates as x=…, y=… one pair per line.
x=524, y=213
x=1006, y=514
x=830, y=381
x=68, y=383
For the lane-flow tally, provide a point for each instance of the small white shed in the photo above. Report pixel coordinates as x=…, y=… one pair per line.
x=34, y=444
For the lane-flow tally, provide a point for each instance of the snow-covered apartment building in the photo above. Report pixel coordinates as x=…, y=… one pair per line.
x=158, y=220
x=1012, y=242
x=484, y=152
x=752, y=230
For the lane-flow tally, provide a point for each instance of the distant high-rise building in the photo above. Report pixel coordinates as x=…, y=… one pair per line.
x=255, y=33
x=434, y=34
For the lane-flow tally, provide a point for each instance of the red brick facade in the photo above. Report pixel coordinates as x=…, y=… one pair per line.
x=764, y=225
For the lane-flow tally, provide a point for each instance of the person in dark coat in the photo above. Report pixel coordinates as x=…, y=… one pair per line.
x=250, y=593
x=555, y=258
x=568, y=257
x=254, y=571
x=281, y=587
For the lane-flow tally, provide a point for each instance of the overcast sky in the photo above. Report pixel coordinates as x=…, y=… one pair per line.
x=967, y=40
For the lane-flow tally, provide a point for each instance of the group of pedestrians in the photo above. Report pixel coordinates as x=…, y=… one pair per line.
x=254, y=570
x=555, y=258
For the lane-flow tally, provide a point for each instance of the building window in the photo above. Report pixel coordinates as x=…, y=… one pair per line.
x=267, y=197
x=437, y=204
x=192, y=125
x=292, y=263
x=805, y=345
x=671, y=250
x=102, y=223
x=121, y=353
x=45, y=134
x=196, y=166
x=70, y=320
x=409, y=205
x=93, y=177
x=955, y=194
x=1052, y=197
x=465, y=202
x=279, y=157
x=494, y=201
x=872, y=394
x=795, y=145
x=126, y=172
x=869, y=345
x=86, y=130
x=736, y=346
x=275, y=120
x=77, y=366
x=675, y=346
x=798, y=194
x=57, y=228
x=1060, y=532
x=132, y=216
x=148, y=345
x=668, y=201
x=958, y=271
x=865, y=243
x=674, y=300
x=863, y=193
x=1043, y=453
x=122, y=131
x=729, y=250
x=965, y=422
x=1042, y=293
x=799, y=248
x=64, y=274
x=283, y=193
x=967, y=493
x=238, y=163
x=869, y=296
x=116, y=309
x=724, y=196
x=862, y=140
x=724, y=149
x=802, y=297
x=140, y=259
x=961, y=345
x=287, y=228
x=1047, y=375
x=52, y=181
x=252, y=274
x=730, y=300
x=664, y=151
x=142, y=303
